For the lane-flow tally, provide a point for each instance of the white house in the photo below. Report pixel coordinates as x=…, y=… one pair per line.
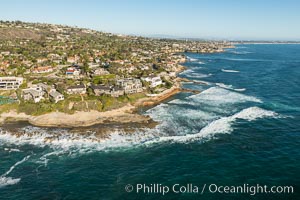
x=130, y=85
x=153, y=80
x=76, y=89
x=73, y=71
x=144, y=67
x=100, y=71
x=35, y=94
x=10, y=82
x=56, y=96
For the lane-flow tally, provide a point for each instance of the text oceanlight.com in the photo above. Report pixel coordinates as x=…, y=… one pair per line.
x=208, y=188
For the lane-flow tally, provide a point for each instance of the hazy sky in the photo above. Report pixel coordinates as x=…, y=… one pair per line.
x=222, y=19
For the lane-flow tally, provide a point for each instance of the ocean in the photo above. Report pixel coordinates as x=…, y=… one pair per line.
x=243, y=129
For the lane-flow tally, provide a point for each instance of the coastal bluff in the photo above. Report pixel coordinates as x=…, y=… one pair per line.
x=78, y=119
x=123, y=115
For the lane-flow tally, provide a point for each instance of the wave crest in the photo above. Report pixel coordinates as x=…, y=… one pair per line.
x=222, y=125
x=230, y=71
x=5, y=181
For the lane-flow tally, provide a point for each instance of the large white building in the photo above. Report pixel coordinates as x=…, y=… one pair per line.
x=153, y=80
x=130, y=85
x=10, y=82
x=35, y=93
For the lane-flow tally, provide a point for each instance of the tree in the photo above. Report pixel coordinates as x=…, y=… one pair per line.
x=90, y=91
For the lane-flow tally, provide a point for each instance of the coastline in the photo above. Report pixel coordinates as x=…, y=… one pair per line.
x=78, y=119
x=123, y=115
x=70, y=77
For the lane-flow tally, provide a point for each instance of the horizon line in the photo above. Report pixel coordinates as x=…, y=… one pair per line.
x=163, y=36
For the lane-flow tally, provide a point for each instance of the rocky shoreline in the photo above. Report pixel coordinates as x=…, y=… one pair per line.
x=124, y=115
x=78, y=119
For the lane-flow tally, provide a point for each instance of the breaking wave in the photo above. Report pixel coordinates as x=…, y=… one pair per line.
x=245, y=59
x=202, y=82
x=5, y=181
x=230, y=87
x=192, y=74
x=11, y=150
x=230, y=71
x=221, y=125
x=192, y=59
x=181, y=120
x=240, y=52
x=222, y=85
x=198, y=75
x=217, y=95
x=187, y=71
x=240, y=89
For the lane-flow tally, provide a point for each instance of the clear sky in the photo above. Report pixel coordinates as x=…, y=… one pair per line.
x=210, y=19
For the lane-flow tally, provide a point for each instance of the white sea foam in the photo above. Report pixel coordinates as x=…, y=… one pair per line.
x=191, y=59
x=242, y=47
x=230, y=87
x=208, y=112
x=187, y=71
x=203, y=82
x=84, y=144
x=240, y=89
x=230, y=71
x=11, y=150
x=221, y=125
x=198, y=75
x=240, y=52
x=222, y=85
x=64, y=143
x=191, y=73
x=5, y=181
x=217, y=95
x=246, y=59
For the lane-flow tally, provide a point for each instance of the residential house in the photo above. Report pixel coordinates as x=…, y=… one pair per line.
x=56, y=96
x=144, y=67
x=76, y=89
x=43, y=69
x=100, y=89
x=100, y=71
x=55, y=58
x=115, y=91
x=130, y=85
x=93, y=65
x=153, y=80
x=73, y=71
x=36, y=94
x=10, y=82
x=5, y=53
x=41, y=60
x=45, y=88
x=4, y=64
x=73, y=59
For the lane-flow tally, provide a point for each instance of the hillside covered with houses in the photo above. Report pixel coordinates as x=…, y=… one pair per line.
x=45, y=67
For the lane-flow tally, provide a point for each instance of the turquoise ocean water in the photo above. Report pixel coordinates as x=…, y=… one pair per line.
x=243, y=128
